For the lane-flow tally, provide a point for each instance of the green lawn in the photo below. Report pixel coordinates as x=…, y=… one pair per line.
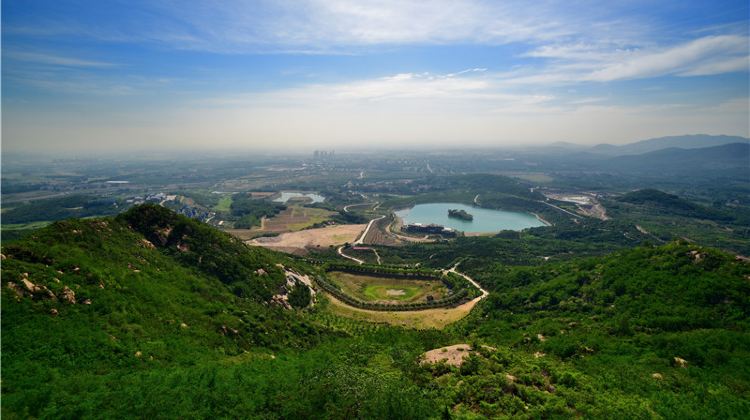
x=384, y=289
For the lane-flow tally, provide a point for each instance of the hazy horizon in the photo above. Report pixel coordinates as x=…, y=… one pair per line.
x=93, y=78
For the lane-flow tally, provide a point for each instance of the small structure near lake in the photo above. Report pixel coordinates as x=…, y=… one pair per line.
x=460, y=214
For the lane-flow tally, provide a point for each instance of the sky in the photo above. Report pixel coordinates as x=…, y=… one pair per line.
x=112, y=76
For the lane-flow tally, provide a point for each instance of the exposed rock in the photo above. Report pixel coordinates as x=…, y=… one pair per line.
x=451, y=355
x=183, y=247
x=56, y=280
x=260, y=272
x=2, y=257
x=539, y=354
x=183, y=325
x=657, y=375
x=53, y=312
x=28, y=285
x=551, y=389
x=680, y=362
x=101, y=285
x=510, y=378
x=18, y=290
x=138, y=354
x=147, y=244
x=697, y=256
x=87, y=302
x=68, y=295
x=541, y=338
x=59, y=272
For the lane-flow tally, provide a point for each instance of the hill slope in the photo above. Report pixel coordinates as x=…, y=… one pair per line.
x=153, y=315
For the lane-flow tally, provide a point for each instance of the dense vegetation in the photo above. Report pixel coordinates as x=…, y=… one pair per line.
x=250, y=211
x=159, y=324
x=61, y=208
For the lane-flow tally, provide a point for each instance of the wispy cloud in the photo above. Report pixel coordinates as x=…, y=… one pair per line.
x=703, y=56
x=52, y=59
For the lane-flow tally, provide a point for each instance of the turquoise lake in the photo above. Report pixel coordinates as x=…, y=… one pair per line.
x=485, y=220
x=286, y=195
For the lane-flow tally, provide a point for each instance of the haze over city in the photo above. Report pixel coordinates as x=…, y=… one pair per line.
x=94, y=76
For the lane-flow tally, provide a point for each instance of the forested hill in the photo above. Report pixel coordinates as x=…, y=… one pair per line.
x=150, y=314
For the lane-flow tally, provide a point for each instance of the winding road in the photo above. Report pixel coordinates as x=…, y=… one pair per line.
x=367, y=229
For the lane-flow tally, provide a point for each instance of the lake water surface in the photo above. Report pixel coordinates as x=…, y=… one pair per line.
x=485, y=220
x=286, y=195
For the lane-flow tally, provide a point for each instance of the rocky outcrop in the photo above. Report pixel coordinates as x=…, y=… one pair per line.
x=68, y=295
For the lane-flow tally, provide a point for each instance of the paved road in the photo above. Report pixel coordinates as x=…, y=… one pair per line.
x=367, y=229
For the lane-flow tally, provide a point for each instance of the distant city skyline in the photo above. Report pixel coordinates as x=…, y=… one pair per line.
x=92, y=76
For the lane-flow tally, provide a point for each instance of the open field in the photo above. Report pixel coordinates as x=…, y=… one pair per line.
x=421, y=320
x=388, y=290
x=295, y=218
x=310, y=238
x=224, y=204
x=292, y=219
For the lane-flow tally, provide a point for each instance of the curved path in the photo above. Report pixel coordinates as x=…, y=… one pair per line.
x=367, y=229
x=470, y=280
x=341, y=252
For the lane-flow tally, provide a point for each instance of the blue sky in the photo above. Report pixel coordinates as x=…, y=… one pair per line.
x=112, y=75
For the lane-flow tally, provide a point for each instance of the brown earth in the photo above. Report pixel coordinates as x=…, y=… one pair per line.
x=310, y=238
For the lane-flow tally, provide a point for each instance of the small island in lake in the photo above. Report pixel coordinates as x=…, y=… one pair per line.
x=460, y=214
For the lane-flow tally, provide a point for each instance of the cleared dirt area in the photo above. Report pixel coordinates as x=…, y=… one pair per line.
x=452, y=355
x=310, y=238
x=421, y=320
x=388, y=290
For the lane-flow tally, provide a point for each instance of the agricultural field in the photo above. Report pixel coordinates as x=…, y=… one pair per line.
x=388, y=290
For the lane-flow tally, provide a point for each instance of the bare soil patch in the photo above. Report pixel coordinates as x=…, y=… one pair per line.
x=310, y=238
x=452, y=355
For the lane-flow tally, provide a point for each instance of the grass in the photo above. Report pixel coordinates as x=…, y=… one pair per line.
x=421, y=320
x=224, y=204
x=312, y=215
x=380, y=289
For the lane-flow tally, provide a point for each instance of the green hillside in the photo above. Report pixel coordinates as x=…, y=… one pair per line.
x=151, y=314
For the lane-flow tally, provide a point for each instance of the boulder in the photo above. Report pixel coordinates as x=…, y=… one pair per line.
x=657, y=376
x=680, y=362
x=18, y=290
x=53, y=312
x=68, y=295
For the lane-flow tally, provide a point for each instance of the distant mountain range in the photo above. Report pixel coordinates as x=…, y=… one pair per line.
x=732, y=157
x=695, y=141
